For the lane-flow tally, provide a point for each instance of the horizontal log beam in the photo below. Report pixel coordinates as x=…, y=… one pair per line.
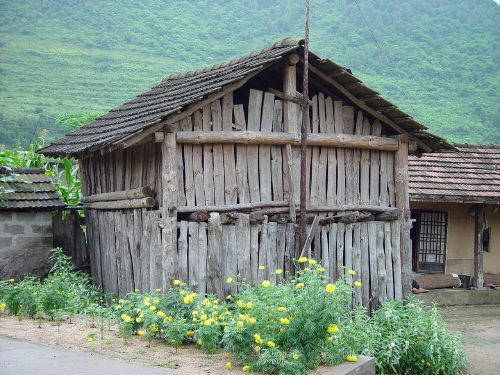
x=279, y=138
x=121, y=204
x=141, y=192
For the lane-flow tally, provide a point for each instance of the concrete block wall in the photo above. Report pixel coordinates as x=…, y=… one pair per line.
x=22, y=230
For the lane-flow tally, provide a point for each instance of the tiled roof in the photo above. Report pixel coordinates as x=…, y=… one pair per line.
x=176, y=92
x=470, y=175
x=32, y=189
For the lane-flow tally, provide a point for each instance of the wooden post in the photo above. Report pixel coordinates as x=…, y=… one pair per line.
x=478, y=246
x=403, y=203
x=169, y=210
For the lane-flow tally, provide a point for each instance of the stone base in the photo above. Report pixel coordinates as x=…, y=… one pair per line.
x=363, y=366
x=15, y=263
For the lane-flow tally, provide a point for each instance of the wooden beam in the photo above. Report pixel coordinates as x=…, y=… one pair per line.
x=478, y=246
x=280, y=138
x=121, y=204
x=141, y=192
x=363, y=106
x=292, y=98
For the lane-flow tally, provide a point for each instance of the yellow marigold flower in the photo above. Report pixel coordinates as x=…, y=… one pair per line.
x=281, y=309
x=256, y=336
x=299, y=285
x=246, y=368
x=203, y=317
x=121, y=301
x=207, y=322
x=141, y=333
x=282, y=330
x=261, y=267
x=312, y=262
x=161, y=314
x=154, y=329
x=333, y=328
x=118, y=307
x=152, y=307
x=188, y=299
x=252, y=320
x=199, y=342
x=266, y=283
x=271, y=344
x=206, y=302
x=281, y=357
x=279, y=272
x=3, y=306
x=351, y=358
x=12, y=280
x=156, y=301
x=330, y=288
x=176, y=282
x=228, y=365
x=136, y=290
x=228, y=296
x=190, y=333
x=352, y=272
x=229, y=280
x=257, y=348
x=158, y=290
x=240, y=303
x=302, y=260
x=319, y=269
x=249, y=305
x=138, y=320
x=295, y=356
x=285, y=321
x=259, y=341
x=90, y=339
x=330, y=338
x=128, y=319
x=240, y=324
x=357, y=283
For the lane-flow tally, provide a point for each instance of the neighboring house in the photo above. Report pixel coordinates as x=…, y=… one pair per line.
x=26, y=206
x=199, y=178
x=455, y=202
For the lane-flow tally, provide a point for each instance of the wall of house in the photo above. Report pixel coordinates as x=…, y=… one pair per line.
x=460, y=241
x=25, y=243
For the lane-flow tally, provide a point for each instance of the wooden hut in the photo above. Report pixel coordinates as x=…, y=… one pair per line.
x=198, y=178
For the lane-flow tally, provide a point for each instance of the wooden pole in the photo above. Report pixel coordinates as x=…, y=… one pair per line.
x=170, y=255
x=303, y=135
x=403, y=203
x=478, y=246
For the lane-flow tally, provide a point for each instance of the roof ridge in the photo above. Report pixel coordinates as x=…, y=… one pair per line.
x=286, y=42
x=477, y=145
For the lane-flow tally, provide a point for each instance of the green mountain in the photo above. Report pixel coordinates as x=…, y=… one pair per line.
x=438, y=60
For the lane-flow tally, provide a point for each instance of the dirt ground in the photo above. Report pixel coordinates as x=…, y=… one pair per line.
x=479, y=327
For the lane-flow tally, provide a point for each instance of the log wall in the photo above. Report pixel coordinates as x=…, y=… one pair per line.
x=130, y=247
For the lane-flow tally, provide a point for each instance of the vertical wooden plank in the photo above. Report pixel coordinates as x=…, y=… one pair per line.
x=388, y=260
x=290, y=110
x=365, y=265
x=272, y=260
x=348, y=117
x=218, y=155
x=113, y=253
x=202, y=262
x=134, y=243
x=254, y=115
x=332, y=251
x=182, y=246
x=277, y=165
x=280, y=246
x=145, y=249
x=181, y=188
x=348, y=246
x=125, y=252
x=396, y=259
x=167, y=259
x=331, y=182
x=356, y=262
x=119, y=170
x=214, y=274
x=372, y=248
x=356, y=160
x=382, y=273
x=228, y=257
x=95, y=246
x=263, y=251
x=188, y=166
x=254, y=254
x=290, y=253
x=193, y=254
x=340, y=248
x=241, y=158
x=324, y=249
x=313, y=183
x=365, y=168
x=199, y=186
x=375, y=168
x=231, y=189
x=243, y=247
x=266, y=126
x=165, y=274
x=384, y=181
x=208, y=163
x=339, y=129
x=323, y=158
x=390, y=179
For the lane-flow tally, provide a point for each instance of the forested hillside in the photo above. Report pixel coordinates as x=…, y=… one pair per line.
x=439, y=60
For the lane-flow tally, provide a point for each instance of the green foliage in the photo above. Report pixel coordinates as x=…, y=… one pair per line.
x=438, y=60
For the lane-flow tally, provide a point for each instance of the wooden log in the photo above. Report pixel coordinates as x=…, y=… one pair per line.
x=478, y=245
x=121, y=204
x=229, y=218
x=233, y=207
x=169, y=260
x=389, y=215
x=297, y=98
x=214, y=271
x=290, y=109
x=257, y=218
x=195, y=216
x=280, y=218
x=141, y=192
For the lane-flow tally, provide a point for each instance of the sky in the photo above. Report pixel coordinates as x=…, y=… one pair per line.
x=497, y=1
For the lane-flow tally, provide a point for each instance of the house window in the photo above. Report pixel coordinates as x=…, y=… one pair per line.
x=429, y=240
